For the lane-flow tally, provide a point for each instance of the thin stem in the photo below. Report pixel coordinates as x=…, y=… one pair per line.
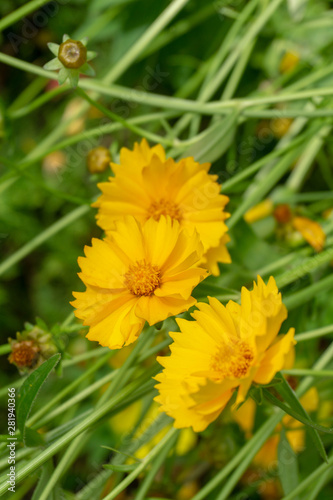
x=151, y=455
x=32, y=106
x=308, y=293
x=314, y=334
x=137, y=130
x=23, y=11
x=306, y=372
x=154, y=29
x=5, y=349
x=68, y=389
x=43, y=236
x=306, y=267
x=86, y=423
x=160, y=458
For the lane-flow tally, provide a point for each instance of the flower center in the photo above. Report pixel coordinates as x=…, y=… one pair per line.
x=232, y=359
x=164, y=207
x=142, y=278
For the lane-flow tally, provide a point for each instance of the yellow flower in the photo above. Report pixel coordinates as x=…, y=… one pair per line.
x=147, y=185
x=137, y=274
x=311, y=231
x=223, y=349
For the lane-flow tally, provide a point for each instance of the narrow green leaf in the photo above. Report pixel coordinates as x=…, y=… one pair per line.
x=54, y=48
x=54, y=64
x=47, y=470
x=214, y=141
x=121, y=468
x=30, y=389
x=291, y=398
x=310, y=425
x=287, y=465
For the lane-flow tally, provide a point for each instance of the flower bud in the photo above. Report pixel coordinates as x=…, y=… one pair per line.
x=98, y=160
x=72, y=54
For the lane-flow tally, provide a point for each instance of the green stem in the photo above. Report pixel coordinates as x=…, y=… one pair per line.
x=306, y=267
x=43, y=236
x=252, y=169
x=305, y=162
x=287, y=113
x=308, y=293
x=249, y=450
x=247, y=39
x=306, y=372
x=150, y=456
x=23, y=11
x=5, y=349
x=43, y=99
x=148, y=36
x=68, y=389
x=264, y=186
x=160, y=458
x=85, y=424
x=252, y=446
x=314, y=334
x=137, y=130
x=99, y=351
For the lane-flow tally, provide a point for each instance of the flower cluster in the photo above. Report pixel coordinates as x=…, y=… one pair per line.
x=147, y=185
x=165, y=231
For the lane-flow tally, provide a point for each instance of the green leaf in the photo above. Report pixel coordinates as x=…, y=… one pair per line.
x=287, y=465
x=311, y=426
x=54, y=64
x=54, y=48
x=86, y=69
x=62, y=76
x=121, y=468
x=30, y=389
x=215, y=140
x=291, y=398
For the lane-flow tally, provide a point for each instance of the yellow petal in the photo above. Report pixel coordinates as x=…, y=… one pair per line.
x=311, y=231
x=274, y=358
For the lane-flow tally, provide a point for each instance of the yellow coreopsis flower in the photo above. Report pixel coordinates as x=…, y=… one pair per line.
x=137, y=274
x=147, y=185
x=223, y=349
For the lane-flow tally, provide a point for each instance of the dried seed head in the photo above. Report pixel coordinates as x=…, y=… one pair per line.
x=24, y=354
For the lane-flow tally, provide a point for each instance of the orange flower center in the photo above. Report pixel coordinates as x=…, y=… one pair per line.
x=232, y=359
x=164, y=207
x=142, y=278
